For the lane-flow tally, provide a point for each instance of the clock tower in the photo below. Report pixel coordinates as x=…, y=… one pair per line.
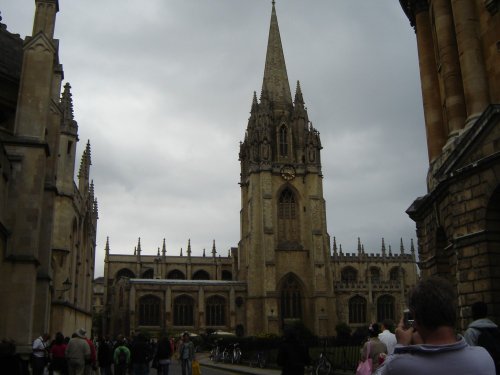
x=284, y=247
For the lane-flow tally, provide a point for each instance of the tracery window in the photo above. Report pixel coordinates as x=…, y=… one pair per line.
x=148, y=274
x=385, y=308
x=183, y=311
x=374, y=275
x=288, y=223
x=357, y=310
x=226, y=275
x=176, y=275
x=149, y=311
x=395, y=274
x=201, y=275
x=125, y=272
x=349, y=275
x=283, y=140
x=291, y=301
x=215, y=310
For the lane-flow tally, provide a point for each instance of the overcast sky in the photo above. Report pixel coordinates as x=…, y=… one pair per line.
x=163, y=89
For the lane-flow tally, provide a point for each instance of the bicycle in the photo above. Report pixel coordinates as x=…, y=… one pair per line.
x=323, y=365
x=225, y=357
x=259, y=360
x=236, y=357
x=216, y=354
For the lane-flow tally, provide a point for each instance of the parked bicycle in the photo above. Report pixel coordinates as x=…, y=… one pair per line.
x=323, y=365
x=236, y=353
x=216, y=353
x=259, y=360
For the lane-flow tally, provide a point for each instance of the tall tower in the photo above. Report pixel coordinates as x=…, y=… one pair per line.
x=284, y=244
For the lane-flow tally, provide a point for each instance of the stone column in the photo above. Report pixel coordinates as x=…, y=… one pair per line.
x=200, y=324
x=449, y=66
x=436, y=133
x=471, y=57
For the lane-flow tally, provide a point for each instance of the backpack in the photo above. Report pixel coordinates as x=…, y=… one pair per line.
x=489, y=338
x=122, y=357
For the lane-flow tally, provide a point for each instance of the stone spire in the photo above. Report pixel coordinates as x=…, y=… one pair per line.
x=401, y=247
x=204, y=255
x=139, y=247
x=390, y=251
x=84, y=172
x=334, y=246
x=412, y=249
x=45, y=17
x=181, y=251
x=106, y=249
x=164, y=249
x=275, y=83
x=189, y=248
x=214, y=251
x=68, y=122
x=383, y=247
x=158, y=253
x=359, y=245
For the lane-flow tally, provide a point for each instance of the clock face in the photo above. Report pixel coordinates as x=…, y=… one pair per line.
x=288, y=172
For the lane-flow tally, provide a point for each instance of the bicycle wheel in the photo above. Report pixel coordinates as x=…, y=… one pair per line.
x=323, y=368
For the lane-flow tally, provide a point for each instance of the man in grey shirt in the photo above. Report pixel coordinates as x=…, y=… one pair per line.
x=431, y=345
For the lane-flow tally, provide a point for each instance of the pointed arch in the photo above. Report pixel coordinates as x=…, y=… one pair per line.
x=396, y=273
x=183, y=310
x=125, y=272
x=357, y=309
x=176, y=275
x=375, y=275
x=149, y=311
x=291, y=297
x=148, y=274
x=226, y=275
x=201, y=275
x=215, y=311
x=349, y=275
x=385, y=307
x=288, y=219
x=283, y=140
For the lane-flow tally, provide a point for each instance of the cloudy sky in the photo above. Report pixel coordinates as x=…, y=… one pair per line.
x=163, y=88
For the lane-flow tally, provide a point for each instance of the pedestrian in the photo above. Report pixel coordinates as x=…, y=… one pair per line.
x=162, y=356
x=91, y=365
x=10, y=361
x=376, y=349
x=140, y=355
x=430, y=345
x=78, y=353
x=121, y=357
x=104, y=355
x=40, y=354
x=483, y=332
x=293, y=355
x=58, y=363
x=186, y=354
x=387, y=337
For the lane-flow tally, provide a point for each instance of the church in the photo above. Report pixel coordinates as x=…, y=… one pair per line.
x=48, y=221
x=284, y=268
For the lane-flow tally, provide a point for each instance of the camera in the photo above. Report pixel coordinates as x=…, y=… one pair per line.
x=408, y=318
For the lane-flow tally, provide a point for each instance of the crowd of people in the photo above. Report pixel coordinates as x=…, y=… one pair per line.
x=79, y=355
x=430, y=343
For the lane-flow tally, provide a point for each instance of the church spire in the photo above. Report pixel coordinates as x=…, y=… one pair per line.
x=275, y=83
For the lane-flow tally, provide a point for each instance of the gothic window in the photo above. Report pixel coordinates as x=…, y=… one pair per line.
x=201, y=275
x=291, y=303
x=125, y=272
x=385, y=308
x=183, y=311
x=283, y=139
x=357, y=310
x=149, y=311
x=395, y=274
x=148, y=274
x=374, y=275
x=226, y=275
x=288, y=226
x=349, y=275
x=176, y=275
x=215, y=310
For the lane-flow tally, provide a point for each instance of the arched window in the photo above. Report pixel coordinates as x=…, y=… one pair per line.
x=215, y=310
x=125, y=272
x=291, y=301
x=176, y=275
x=149, y=311
x=226, y=275
x=148, y=274
x=385, y=308
x=288, y=223
x=357, y=310
x=283, y=139
x=183, y=311
x=349, y=275
x=395, y=274
x=201, y=275
x=374, y=275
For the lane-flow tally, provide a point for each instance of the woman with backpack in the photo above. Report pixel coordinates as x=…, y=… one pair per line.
x=121, y=359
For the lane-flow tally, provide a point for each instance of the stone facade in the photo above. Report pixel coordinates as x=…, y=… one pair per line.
x=283, y=268
x=458, y=220
x=47, y=222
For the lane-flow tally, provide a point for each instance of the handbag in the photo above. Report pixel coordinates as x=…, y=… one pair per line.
x=365, y=367
x=196, y=368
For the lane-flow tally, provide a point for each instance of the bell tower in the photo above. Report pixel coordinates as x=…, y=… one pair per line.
x=284, y=244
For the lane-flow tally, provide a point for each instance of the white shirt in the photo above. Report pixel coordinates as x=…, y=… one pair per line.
x=389, y=339
x=38, y=344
